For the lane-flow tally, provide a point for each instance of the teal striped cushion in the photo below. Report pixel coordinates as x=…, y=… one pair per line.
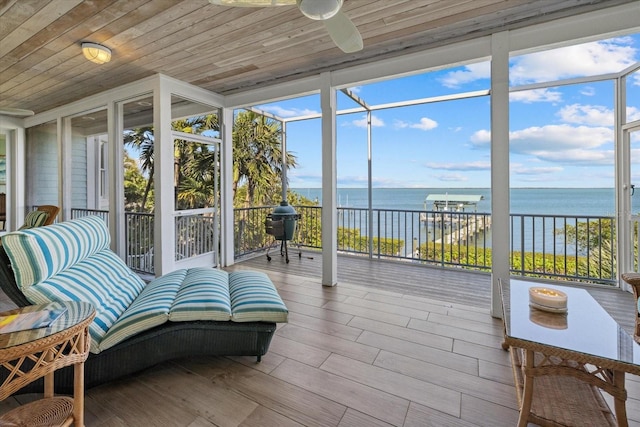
x=39, y=253
x=150, y=309
x=103, y=280
x=204, y=295
x=254, y=298
x=34, y=219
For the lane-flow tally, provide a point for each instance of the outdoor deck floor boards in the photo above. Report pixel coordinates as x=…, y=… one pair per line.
x=392, y=344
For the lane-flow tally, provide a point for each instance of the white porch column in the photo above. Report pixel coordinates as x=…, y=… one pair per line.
x=14, y=131
x=65, y=139
x=329, y=183
x=622, y=150
x=117, y=223
x=500, y=264
x=226, y=188
x=163, y=179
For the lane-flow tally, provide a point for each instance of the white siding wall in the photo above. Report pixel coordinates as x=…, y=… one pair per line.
x=42, y=166
x=79, y=171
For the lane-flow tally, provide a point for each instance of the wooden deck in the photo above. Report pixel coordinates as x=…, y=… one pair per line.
x=392, y=344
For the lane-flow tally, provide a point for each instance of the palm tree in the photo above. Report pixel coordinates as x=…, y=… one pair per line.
x=194, y=164
x=257, y=156
x=257, y=159
x=142, y=140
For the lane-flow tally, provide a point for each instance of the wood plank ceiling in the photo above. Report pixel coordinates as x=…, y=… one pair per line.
x=225, y=49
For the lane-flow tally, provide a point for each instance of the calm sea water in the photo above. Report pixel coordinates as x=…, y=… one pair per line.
x=551, y=201
x=539, y=201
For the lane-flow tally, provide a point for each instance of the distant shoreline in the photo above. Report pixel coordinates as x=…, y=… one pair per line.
x=570, y=201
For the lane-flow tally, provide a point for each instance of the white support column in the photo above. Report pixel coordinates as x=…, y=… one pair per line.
x=117, y=224
x=163, y=180
x=226, y=188
x=500, y=264
x=16, y=162
x=329, y=183
x=65, y=139
x=622, y=150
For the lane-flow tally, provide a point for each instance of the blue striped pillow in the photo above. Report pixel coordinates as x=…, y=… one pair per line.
x=103, y=280
x=203, y=295
x=39, y=253
x=150, y=309
x=254, y=298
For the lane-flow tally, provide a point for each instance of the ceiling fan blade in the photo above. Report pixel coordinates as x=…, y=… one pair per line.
x=344, y=33
x=253, y=3
x=18, y=112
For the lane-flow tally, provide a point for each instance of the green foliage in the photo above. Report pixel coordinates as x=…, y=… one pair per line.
x=532, y=264
x=134, y=186
x=142, y=140
x=592, y=234
x=257, y=159
x=250, y=231
x=352, y=239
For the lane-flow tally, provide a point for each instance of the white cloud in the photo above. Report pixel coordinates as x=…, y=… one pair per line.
x=287, y=112
x=467, y=166
x=584, y=157
x=469, y=73
x=355, y=89
x=362, y=123
x=521, y=170
x=588, y=91
x=554, y=137
x=481, y=138
x=452, y=177
x=593, y=115
x=400, y=124
x=633, y=114
x=425, y=124
x=536, y=95
x=636, y=79
x=557, y=143
x=586, y=59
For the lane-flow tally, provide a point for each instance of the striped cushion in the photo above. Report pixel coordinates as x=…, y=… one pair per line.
x=254, y=298
x=150, y=309
x=204, y=295
x=102, y=279
x=34, y=219
x=39, y=253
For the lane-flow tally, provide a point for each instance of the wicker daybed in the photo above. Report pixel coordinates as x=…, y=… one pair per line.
x=246, y=332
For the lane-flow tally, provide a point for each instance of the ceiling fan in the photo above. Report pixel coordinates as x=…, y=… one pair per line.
x=16, y=112
x=342, y=31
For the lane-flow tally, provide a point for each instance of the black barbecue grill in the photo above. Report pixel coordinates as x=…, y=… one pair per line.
x=282, y=224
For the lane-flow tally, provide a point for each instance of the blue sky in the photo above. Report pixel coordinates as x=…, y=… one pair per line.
x=560, y=136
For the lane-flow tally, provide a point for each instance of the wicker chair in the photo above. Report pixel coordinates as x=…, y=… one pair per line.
x=52, y=211
x=633, y=279
x=43, y=215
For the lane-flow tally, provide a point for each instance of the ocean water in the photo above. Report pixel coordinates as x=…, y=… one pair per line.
x=546, y=201
x=578, y=202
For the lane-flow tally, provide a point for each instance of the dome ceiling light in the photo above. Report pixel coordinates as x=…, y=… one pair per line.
x=96, y=52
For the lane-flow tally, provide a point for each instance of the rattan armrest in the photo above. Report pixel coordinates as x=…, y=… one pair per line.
x=633, y=279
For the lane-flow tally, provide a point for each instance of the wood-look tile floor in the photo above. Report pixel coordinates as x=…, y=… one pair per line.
x=351, y=355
